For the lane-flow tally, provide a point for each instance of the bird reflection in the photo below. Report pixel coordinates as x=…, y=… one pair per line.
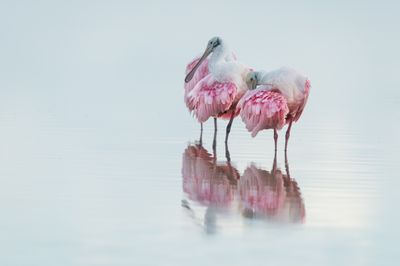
x=273, y=195
x=205, y=180
x=208, y=182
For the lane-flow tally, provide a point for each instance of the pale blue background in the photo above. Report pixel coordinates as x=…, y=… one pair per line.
x=93, y=127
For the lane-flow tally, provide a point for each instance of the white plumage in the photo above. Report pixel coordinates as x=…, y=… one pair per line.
x=290, y=82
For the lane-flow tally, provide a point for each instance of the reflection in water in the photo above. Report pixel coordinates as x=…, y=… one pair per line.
x=204, y=180
x=271, y=195
x=207, y=182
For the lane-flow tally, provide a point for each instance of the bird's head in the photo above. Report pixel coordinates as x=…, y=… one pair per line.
x=211, y=45
x=252, y=79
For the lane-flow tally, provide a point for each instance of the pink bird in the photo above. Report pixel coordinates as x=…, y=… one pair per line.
x=201, y=72
x=279, y=100
x=217, y=94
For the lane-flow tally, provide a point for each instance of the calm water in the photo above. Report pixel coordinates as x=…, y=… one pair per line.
x=98, y=157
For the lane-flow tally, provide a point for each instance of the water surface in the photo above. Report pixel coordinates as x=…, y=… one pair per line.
x=98, y=159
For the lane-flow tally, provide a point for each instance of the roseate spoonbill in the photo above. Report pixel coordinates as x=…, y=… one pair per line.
x=198, y=75
x=279, y=100
x=217, y=94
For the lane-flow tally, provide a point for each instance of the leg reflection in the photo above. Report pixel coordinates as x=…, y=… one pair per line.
x=228, y=127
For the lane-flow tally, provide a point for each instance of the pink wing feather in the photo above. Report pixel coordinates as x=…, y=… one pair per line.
x=211, y=98
x=263, y=109
x=201, y=72
x=307, y=87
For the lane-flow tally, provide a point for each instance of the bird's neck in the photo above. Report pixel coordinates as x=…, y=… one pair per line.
x=218, y=56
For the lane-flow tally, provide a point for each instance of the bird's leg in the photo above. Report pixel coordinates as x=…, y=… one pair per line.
x=287, y=165
x=215, y=134
x=228, y=127
x=288, y=134
x=227, y=153
x=201, y=134
x=276, y=139
x=228, y=130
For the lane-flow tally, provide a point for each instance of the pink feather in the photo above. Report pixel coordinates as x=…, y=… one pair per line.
x=263, y=109
x=300, y=109
x=201, y=72
x=211, y=98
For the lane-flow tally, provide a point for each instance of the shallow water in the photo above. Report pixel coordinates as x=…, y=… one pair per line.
x=99, y=163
